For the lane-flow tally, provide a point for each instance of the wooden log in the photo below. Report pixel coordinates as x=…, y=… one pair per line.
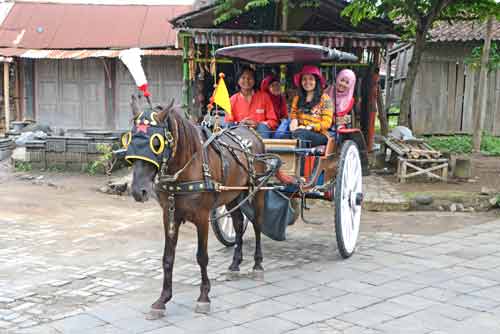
x=425, y=151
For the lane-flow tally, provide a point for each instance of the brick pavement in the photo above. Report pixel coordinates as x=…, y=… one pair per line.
x=381, y=195
x=395, y=283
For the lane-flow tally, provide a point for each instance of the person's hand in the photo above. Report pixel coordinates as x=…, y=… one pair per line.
x=294, y=124
x=250, y=123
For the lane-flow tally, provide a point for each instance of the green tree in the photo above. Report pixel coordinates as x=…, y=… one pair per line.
x=229, y=9
x=415, y=18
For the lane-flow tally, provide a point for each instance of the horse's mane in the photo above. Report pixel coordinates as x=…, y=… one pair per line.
x=186, y=132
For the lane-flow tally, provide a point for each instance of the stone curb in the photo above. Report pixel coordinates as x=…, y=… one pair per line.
x=386, y=205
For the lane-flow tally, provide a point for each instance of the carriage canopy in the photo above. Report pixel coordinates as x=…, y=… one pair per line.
x=284, y=53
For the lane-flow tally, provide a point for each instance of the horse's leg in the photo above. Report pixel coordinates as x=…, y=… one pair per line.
x=237, y=217
x=203, y=304
x=259, y=219
x=158, y=307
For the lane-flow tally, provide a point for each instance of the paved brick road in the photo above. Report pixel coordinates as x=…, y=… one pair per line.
x=89, y=278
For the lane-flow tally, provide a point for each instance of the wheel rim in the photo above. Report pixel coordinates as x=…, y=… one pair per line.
x=226, y=224
x=351, y=195
x=226, y=227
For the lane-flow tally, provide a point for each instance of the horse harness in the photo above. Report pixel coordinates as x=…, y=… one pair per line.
x=168, y=182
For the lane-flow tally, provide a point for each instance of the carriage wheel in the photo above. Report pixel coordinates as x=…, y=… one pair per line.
x=348, y=198
x=223, y=227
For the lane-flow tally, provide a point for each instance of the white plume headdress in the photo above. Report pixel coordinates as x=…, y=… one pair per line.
x=132, y=60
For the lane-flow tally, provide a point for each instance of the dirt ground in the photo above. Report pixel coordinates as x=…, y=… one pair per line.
x=64, y=197
x=485, y=173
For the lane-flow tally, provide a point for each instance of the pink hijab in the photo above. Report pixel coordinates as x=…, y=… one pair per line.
x=342, y=100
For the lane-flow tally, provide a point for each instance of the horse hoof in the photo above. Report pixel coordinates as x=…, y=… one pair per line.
x=155, y=314
x=202, y=308
x=258, y=275
x=233, y=275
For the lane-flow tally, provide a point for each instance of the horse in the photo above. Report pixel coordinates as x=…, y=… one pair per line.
x=163, y=141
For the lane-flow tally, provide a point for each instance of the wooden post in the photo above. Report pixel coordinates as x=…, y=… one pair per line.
x=382, y=109
x=387, y=103
x=480, y=103
x=6, y=95
x=372, y=99
x=284, y=16
x=19, y=115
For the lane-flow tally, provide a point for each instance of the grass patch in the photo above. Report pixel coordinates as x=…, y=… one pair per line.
x=104, y=164
x=392, y=120
x=22, y=166
x=461, y=144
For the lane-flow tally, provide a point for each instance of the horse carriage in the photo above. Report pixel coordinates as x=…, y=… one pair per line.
x=333, y=172
x=193, y=169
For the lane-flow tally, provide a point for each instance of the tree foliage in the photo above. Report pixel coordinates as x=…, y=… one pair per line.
x=474, y=60
x=410, y=15
x=415, y=19
x=229, y=9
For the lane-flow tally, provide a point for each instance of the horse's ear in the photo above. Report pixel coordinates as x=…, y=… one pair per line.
x=135, y=106
x=164, y=111
x=161, y=114
x=171, y=104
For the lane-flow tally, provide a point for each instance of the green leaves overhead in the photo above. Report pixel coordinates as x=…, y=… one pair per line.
x=414, y=19
x=474, y=59
x=256, y=4
x=412, y=14
x=226, y=10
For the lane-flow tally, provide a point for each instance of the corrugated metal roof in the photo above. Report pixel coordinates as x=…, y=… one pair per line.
x=86, y=26
x=78, y=54
x=463, y=31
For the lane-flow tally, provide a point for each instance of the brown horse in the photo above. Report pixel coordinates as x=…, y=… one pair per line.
x=163, y=140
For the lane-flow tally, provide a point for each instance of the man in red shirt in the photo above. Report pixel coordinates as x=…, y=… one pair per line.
x=252, y=108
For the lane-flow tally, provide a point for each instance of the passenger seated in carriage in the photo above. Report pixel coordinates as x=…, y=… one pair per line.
x=271, y=86
x=250, y=107
x=311, y=110
x=344, y=97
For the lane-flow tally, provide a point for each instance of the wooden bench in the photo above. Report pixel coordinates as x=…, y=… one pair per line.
x=432, y=168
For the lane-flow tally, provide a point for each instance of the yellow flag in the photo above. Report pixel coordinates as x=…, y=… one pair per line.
x=221, y=95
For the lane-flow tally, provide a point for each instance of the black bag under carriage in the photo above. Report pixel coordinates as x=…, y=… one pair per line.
x=278, y=214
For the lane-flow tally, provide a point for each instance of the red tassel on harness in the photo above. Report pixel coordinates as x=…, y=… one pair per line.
x=144, y=89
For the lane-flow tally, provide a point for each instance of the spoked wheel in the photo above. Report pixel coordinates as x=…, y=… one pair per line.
x=223, y=227
x=348, y=198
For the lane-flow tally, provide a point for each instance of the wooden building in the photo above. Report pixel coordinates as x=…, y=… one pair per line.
x=446, y=87
x=62, y=68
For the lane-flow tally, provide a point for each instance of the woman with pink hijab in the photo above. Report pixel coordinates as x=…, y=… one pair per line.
x=344, y=99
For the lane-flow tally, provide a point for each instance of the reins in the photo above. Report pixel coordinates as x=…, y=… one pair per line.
x=168, y=183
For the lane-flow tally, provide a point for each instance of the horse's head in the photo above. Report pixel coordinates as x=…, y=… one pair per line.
x=148, y=147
